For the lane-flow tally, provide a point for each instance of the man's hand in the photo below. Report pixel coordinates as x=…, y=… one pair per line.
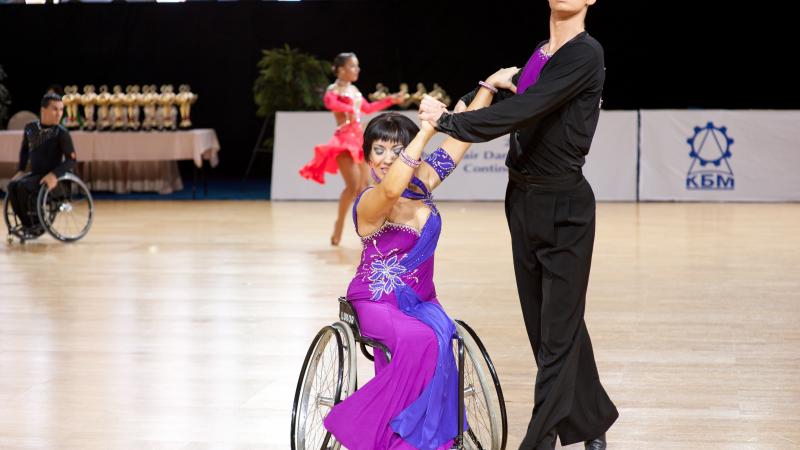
x=50, y=180
x=427, y=128
x=18, y=175
x=502, y=79
x=431, y=109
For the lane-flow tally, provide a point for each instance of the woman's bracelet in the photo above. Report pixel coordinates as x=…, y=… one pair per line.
x=488, y=86
x=413, y=163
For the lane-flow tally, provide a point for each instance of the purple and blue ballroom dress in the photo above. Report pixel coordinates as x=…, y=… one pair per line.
x=412, y=402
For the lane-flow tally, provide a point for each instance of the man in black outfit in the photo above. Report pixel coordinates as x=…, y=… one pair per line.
x=49, y=148
x=550, y=209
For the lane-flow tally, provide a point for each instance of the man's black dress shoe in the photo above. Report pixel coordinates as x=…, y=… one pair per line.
x=598, y=443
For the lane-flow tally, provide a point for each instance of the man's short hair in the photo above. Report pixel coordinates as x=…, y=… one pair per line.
x=50, y=97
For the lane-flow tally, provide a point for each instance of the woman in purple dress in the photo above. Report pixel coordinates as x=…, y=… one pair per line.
x=411, y=403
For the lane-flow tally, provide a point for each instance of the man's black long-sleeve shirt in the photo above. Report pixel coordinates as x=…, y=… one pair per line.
x=552, y=124
x=49, y=148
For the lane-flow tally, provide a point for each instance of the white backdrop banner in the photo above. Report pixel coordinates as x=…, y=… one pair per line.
x=482, y=175
x=713, y=155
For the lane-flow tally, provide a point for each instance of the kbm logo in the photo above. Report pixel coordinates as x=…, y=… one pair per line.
x=710, y=168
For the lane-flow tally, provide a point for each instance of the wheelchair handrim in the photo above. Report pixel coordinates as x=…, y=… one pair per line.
x=350, y=378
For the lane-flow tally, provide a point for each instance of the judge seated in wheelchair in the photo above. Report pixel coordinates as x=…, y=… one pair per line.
x=48, y=147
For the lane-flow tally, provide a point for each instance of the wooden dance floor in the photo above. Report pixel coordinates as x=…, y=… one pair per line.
x=183, y=325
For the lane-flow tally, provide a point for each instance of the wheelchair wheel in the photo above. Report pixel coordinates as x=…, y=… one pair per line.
x=67, y=211
x=483, y=397
x=319, y=388
x=14, y=226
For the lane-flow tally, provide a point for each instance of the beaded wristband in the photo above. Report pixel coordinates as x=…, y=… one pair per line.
x=488, y=86
x=413, y=163
x=442, y=163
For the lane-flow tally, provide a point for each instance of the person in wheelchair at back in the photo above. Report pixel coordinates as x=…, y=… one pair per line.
x=48, y=147
x=412, y=402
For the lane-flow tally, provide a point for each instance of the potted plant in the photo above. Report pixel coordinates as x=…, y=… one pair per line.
x=289, y=80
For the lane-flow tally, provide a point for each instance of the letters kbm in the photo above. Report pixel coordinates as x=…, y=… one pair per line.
x=710, y=152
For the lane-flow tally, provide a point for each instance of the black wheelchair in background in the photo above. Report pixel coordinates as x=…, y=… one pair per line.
x=65, y=212
x=329, y=375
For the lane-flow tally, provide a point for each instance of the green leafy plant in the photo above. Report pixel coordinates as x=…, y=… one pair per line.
x=289, y=80
x=5, y=100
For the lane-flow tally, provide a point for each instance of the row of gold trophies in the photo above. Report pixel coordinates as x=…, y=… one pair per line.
x=119, y=110
x=381, y=92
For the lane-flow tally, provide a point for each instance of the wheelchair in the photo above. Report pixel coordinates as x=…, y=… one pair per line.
x=66, y=212
x=329, y=376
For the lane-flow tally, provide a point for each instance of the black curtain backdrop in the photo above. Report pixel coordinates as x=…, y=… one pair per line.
x=675, y=54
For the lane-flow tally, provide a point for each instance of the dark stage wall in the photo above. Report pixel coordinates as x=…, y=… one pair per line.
x=675, y=54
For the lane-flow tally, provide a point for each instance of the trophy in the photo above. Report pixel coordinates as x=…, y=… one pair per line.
x=88, y=100
x=416, y=97
x=71, y=98
x=185, y=99
x=439, y=94
x=166, y=101
x=132, y=100
x=103, y=100
x=380, y=93
x=148, y=102
x=404, y=96
x=118, y=108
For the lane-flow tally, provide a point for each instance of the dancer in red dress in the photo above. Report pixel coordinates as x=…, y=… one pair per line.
x=343, y=152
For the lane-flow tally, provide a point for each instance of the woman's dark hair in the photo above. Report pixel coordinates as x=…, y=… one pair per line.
x=341, y=59
x=391, y=127
x=50, y=97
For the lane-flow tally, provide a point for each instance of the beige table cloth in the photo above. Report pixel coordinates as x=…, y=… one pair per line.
x=126, y=161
